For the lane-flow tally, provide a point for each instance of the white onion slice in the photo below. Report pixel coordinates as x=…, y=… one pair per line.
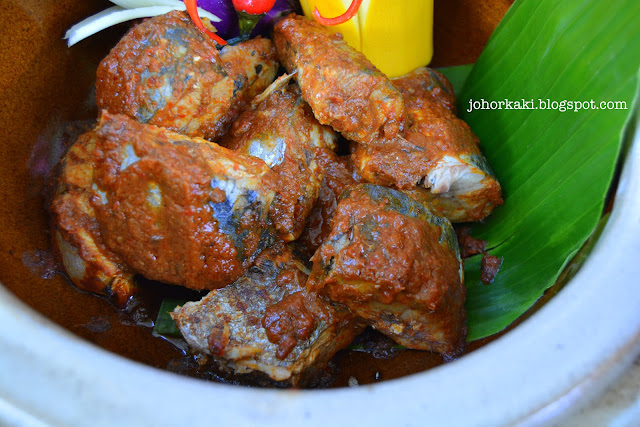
x=179, y=5
x=116, y=14
x=134, y=4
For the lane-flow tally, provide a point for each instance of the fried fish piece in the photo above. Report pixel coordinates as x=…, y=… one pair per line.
x=268, y=322
x=396, y=265
x=90, y=265
x=344, y=89
x=283, y=132
x=175, y=209
x=437, y=151
x=167, y=72
x=338, y=173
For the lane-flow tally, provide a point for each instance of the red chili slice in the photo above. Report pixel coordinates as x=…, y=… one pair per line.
x=350, y=13
x=192, y=8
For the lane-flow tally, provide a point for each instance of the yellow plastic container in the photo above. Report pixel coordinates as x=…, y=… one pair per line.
x=396, y=35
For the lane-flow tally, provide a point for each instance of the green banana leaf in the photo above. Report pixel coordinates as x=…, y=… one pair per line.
x=164, y=324
x=556, y=168
x=457, y=76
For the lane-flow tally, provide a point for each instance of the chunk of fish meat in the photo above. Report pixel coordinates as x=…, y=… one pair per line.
x=282, y=131
x=167, y=72
x=268, y=322
x=397, y=265
x=345, y=90
x=437, y=151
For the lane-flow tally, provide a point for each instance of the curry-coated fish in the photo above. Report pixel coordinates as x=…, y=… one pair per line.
x=282, y=131
x=268, y=322
x=437, y=151
x=90, y=265
x=175, y=209
x=167, y=72
x=397, y=265
x=344, y=89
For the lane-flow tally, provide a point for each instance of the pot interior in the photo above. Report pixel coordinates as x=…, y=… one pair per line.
x=47, y=93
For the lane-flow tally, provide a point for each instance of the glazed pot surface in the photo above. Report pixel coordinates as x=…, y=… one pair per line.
x=46, y=92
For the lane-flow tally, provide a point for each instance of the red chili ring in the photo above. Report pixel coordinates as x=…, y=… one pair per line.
x=350, y=13
x=192, y=8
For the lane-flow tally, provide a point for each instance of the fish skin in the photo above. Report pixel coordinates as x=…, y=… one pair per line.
x=227, y=324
